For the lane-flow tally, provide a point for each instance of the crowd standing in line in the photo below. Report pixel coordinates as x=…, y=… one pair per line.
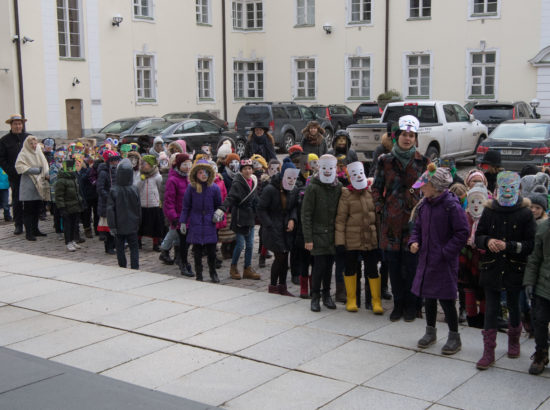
x=484, y=241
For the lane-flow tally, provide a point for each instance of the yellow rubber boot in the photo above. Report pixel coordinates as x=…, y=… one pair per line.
x=375, y=291
x=351, y=286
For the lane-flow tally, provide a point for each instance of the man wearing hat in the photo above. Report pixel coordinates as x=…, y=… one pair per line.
x=10, y=145
x=260, y=142
x=491, y=166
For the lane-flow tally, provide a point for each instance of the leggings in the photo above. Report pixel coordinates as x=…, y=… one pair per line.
x=449, y=308
x=322, y=273
x=279, y=268
x=492, y=307
x=353, y=263
x=300, y=260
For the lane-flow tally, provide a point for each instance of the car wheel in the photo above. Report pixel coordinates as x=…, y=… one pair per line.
x=329, y=135
x=288, y=140
x=479, y=141
x=432, y=153
x=239, y=147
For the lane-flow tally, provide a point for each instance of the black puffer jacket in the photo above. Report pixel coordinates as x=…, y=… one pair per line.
x=10, y=146
x=274, y=218
x=513, y=225
x=123, y=204
x=103, y=187
x=242, y=201
x=351, y=155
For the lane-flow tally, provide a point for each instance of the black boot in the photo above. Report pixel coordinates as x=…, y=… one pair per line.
x=177, y=256
x=327, y=300
x=315, y=299
x=397, y=312
x=368, y=297
x=212, y=270
x=218, y=263
x=29, y=229
x=18, y=230
x=198, y=270
x=165, y=257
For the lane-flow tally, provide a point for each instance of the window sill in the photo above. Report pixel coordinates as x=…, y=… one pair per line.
x=146, y=101
x=240, y=99
x=418, y=18
x=206, y=100
x=481, y=16
x=204, y=24
x=248, y=30
x=144, y=19
x=305, y=99
x=304, y=25
x=417, y=97
x=365, y=98
x=72, y=58
x=481, y=97
x=359, y=23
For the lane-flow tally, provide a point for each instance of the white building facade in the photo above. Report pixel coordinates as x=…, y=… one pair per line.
x=84, y=63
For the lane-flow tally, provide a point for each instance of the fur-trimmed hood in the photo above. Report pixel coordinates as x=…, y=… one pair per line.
x=387, y=142
x=175, y=147
x=320, y=135
x=193, y=175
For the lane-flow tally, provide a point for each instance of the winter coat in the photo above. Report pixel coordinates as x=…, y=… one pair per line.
x=176, y=185
x=103, y=186
x=223, y=192
x=4, y=181
x=351, y=155
x=274, y=218
x=301, y=190
x=67, y=192
x=149, y=190
x=441, y=230
x=53, y=171
x=511, y=224
x=317, y=147
x=227, y=180
x=27, y=189
x=537, y=272
x=242, y=200
x=198, y=209
x=89, y=193
x=385, y=147
x=356, y=220
x=264, y=146
x=394, y=198
x=123, y=204
x=10, y=146
x=319, y=209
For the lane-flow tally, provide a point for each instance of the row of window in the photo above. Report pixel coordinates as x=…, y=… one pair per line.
x=248, y=77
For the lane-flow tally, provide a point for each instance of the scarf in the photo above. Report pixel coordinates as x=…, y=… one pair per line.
x=145, y=175
x=230, y=173
x=29, y=158
x=181, y=173
x=403, y=156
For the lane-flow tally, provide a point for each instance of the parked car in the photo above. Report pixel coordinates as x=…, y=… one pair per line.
x=200, y=115
x=446, y=130
x=339, y=115
x=520, y=142
x=194, y=132
x=124, y=126
x=286, y=121
x=493, y=113
x=367, y=111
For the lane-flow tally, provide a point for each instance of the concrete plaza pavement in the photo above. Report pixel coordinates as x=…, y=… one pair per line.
x=239, y=348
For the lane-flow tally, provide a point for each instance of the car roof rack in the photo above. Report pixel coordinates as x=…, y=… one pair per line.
x=259, y=103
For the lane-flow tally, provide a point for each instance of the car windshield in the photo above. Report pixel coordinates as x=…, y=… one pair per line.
x=254, y=113
x=116, y=127
x=320, y=112
x=521, y=131
x=368, y=109
x=493, y=112
x=424, y=113
x=175, y=115
x=155, y=128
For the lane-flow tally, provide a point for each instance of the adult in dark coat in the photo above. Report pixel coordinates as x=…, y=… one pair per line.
x=10, y=146
x=313, y=139
x=260, y=142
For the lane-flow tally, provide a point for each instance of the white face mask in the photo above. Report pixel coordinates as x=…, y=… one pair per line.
x=475, y=204
x=256, y=165
x=289, y=178
x=134, y=161
x=206, y=149
x=273, y=169
x=314, y=165
x=357, y=175
x=164, y=163
x=234, y=165
x=214, y=166
x=327, y=170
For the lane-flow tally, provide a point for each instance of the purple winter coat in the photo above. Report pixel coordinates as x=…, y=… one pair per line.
x=441, y=230
x=198, y=210
x=176, y=185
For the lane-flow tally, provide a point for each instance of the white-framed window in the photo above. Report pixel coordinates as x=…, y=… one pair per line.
x=305, y=12
x=483, y=9
x=205, y=78
x=202, y=11
x=69, y=29
x=143, y=9
x=247, y=14
x=305, y=78
x=418, y=69
x=359, y=11
x=248, y=80
x=145, y=78
x=482, y=74
x=420, y=9
x=358, y=77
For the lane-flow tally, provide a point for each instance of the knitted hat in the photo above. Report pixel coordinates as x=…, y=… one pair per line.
x=440, y=178
x=225, y=149
x=287, y=163
x=110, y=155
x=258, y=158
x=294, y=149
x=475, y=173
x=492, y=157
x=245, y=162
x=231, y=157
x=150, y=159
x=179, y=159
x=158, y=140
x=540, y=200
x=312, y=157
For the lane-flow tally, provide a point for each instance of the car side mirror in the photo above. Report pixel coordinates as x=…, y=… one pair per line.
x=471, y=117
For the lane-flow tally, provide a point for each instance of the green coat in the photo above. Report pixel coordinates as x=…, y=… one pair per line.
x=319, y=209
x=67, y=193
x=537, y=272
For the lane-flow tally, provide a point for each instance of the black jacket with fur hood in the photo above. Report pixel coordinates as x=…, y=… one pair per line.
x=513, y=225
x=316, y=146
x=384, y=148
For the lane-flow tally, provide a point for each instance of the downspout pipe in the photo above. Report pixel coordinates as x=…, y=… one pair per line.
x=386, y=46
x=224, y=63
x=17, y=41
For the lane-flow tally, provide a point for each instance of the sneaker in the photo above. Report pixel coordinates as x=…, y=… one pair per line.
x=70, y=247
x=60, y=236
x=76, y=246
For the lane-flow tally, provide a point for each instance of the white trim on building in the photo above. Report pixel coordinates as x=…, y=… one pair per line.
x=149, y=17
x=308, y=72
x=203, y=8
x=250, y=76
x=366, y=8
x=210, y=73
x=420, y=65
x=487, y=9
x=484, y=66
x=348, y=79
x=152, y=99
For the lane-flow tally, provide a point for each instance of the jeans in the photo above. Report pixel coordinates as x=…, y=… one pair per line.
x=170, y=239
x=449, y=308
x=241, y=242
x=132, y=240
x=402, y=269
x=322, y=273
x=493, y=309
x=542, y=317
x=5, y=201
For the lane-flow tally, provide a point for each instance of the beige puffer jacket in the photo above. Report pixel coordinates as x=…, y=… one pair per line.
x=356, y=220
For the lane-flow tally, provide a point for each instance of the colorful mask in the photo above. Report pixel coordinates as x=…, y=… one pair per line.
x=476, y=198
x=59, y=156
x=356, y=173
x=327, y=169
x=409, y=123
x=272, y=169
x=234, y=165
x=508, y=188
x=289, y=178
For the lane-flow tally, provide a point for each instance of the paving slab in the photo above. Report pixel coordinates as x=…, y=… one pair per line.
x=499, y=389
x=294, y=347
x=350, y=323
x=292, y=390
x=35, y=287
x=424, y=376
x=296, y=313
x=400, y=334
x=361, y=398
x=10, y=314
x=61, y=299
x=252, y=303
x=99, y=274
x=164, y=366
x=59, y=271
x=34, y=326
x=356, y=361
x=209, y=295
x=33, y=265
x=134, y=279
x=113, y=352
x=222, y=381
x=166, y=289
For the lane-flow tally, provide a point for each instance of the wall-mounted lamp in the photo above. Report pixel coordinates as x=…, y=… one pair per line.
x=75, y=81
x=117, y=20
x=6, y=70
x=327, y=27
x=27, y=40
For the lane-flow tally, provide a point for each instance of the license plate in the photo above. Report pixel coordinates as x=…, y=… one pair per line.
x=510, y=152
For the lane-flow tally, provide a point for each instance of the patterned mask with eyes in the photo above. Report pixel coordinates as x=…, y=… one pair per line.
x=164, y=163
x=134, y=161
x=508, y=188
x=327, y=169
x=356, y=173
x=234, y=165
x=289, y=178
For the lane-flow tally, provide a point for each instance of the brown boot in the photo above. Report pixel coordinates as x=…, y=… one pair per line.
x=234, y=272
x=249, y=273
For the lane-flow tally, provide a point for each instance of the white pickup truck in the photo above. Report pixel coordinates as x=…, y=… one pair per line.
x=446, y=130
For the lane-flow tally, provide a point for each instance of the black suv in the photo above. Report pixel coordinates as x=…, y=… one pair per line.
x=339, y=115
x=286, y=121
x=367, y=111
x=493, y=113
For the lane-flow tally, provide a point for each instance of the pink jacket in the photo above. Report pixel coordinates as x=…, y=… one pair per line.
x=223, y=190
x=176, y=185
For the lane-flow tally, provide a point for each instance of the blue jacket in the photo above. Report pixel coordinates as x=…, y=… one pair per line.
x=4, y=182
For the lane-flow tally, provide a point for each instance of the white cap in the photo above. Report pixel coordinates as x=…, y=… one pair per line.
x=409, y=123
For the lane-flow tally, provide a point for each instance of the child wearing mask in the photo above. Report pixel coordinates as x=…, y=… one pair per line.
x=150, y=185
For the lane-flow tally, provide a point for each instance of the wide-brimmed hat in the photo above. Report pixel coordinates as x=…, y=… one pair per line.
x=492, y=157
x=15, y=117
x=259, y=124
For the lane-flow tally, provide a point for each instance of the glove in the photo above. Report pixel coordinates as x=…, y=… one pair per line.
x=529, y=291
x=112, y=232
x=340, y=249
x=183, y=229
x=218, y=216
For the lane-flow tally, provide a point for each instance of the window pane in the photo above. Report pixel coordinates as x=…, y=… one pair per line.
x=477, y=58
x=490, y=57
